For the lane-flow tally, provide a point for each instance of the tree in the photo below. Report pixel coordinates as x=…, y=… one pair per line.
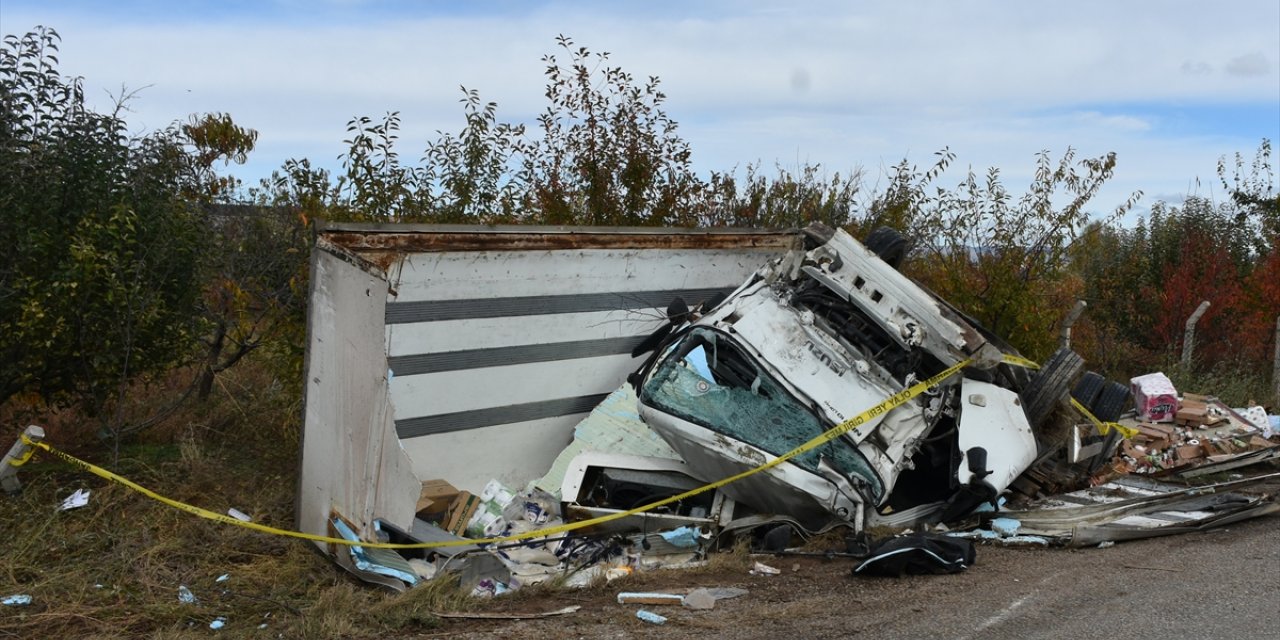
x=1254, y=194
x=99, y=278
x=1004, y=261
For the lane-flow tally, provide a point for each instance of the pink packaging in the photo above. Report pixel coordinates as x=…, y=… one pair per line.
x=1155, y=397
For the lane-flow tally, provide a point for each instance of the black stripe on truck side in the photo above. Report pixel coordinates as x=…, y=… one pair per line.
x=503, y=356
x=437, y=310
x=478, y=418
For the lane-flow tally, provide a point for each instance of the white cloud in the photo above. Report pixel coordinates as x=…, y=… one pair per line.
x=843, y=84
x=1250, y=65
x=1197, y=68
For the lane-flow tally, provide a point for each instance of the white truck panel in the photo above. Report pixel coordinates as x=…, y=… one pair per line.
x=469, y=353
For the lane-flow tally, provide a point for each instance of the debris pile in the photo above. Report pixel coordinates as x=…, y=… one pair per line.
x=1188, y=435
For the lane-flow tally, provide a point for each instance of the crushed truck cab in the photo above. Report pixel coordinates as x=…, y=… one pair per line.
x=811, y=340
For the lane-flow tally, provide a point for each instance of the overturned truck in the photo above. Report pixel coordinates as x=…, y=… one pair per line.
x=605, y=369
x=810, y=341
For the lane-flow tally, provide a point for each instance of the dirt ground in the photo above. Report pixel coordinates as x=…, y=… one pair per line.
x=1218, y=584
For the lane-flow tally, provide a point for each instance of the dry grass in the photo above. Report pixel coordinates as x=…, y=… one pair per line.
x=1237, y=386
x=112, y=569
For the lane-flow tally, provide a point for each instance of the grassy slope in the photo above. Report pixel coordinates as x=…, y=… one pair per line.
x=113, y=568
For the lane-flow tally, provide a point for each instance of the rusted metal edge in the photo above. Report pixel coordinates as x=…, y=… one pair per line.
x=520, y=229
x=342, y=253
x=375, y=238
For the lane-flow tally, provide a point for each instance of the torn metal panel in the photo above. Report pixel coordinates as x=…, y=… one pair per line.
x=1130, y=509
x=1231, y=463
x=992, y=418
x=599, y=484
x=352, y=462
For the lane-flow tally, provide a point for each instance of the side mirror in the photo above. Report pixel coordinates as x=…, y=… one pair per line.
x=977, y=457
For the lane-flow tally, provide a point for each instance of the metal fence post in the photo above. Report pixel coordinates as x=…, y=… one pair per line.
x=1275, y=371
x=1064, y=336
x=1189, y=338
x=19, y=450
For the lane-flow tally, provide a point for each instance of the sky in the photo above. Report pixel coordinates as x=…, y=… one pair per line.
x=1169, y=86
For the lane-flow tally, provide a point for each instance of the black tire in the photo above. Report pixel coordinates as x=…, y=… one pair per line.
x=1111, y=402
x=1086, y=391
x=1050, y=385
x=887, y=243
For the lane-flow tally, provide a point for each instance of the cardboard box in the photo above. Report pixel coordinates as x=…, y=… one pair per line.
x=1192, y=414
x=435, y=497
x=1189, y=452
x=1155, y=397
x=1258, y=442
x=461, y=510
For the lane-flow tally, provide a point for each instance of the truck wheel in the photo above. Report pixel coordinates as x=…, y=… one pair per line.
x=1111, y=402
x=1086, y=391
x=1050, y=385
x=887, y=243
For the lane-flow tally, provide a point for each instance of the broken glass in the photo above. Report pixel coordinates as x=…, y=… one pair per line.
x=705, y=379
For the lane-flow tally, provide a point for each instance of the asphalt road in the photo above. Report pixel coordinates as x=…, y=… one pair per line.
x=1220, y=584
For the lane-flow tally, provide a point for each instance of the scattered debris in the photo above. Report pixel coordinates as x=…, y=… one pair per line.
x=649, y=616
x=699, y=600
x=239, y=515
x=761, y=569
x=218, y=623
x=991, y=537
x=1135, y=507
x=506, y=616
x=16, y=600
x=724, y=593
x=650, y=598
x=185, y=596
x=1005, y=527
x=223, y=578
x=76, y=500
x=683, y=538
x=620, y=571
x=918, y=553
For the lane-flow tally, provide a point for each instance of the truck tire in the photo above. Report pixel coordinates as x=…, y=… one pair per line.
x=1111, y=402
x=887, y=243
x=1050, y=385
x=1086, y=391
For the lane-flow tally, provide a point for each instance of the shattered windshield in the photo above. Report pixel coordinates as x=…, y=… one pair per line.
x=706, y=380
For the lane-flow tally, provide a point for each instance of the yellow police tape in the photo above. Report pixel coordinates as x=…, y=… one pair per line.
x=1103, y=427
x=852, y=424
